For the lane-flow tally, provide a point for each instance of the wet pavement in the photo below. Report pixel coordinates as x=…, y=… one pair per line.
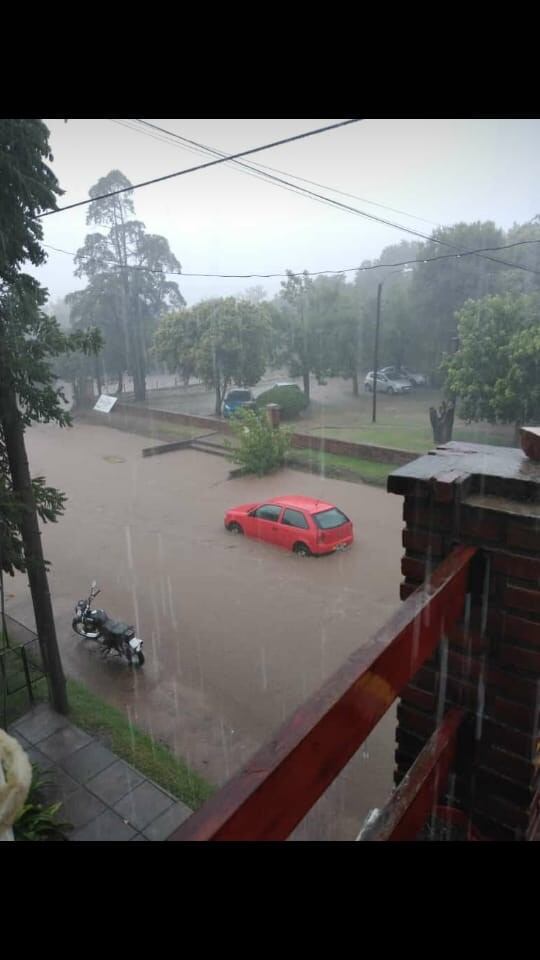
x=103, y=798
x=237, y=633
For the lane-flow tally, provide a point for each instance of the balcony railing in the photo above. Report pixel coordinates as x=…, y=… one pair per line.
x=269, y=797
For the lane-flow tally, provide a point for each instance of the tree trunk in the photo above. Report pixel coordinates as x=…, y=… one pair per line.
x=139, y=365
x=307, y=385
x=218, y=399
x=120, y=382
x=13, y=430
x=355, y=383
x=98, y=376
x=442, y=422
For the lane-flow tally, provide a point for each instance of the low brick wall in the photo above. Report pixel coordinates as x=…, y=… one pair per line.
x=364, y=451
x=165, y=416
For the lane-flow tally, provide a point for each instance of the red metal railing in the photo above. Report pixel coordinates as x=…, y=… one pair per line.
x=411, y=803
x=277, y=788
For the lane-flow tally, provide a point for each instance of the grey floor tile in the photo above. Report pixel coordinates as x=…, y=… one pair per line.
x=88, y=761
x=36, y=756
x=64, y=742
x=163, y=826
x=107, y=826
x=40, y=723
x=114, y=782
x=24, y=743
x=58, y=786
x=80, y=808
x=143, y=804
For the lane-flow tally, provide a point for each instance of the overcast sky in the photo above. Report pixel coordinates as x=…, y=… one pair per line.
x=223, y=221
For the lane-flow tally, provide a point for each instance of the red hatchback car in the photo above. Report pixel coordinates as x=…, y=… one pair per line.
x=301, y=524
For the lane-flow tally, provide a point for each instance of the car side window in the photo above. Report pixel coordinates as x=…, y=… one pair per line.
x=294, y=518
x=268, y=511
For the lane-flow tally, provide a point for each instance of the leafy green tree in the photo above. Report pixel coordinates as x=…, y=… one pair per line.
x=29, y=340
x=175, y=343
x=496, y=371
x=262, y=447
x=304, y=327
x=223, y=341
x=441, y=287
x=126, y=268
x=527, y=255
x=101, y=304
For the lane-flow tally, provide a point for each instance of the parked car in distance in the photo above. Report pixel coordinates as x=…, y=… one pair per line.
x=385, y=384
x=235, y=399
x=301, y=524
x=286, y=383
x=401, y=373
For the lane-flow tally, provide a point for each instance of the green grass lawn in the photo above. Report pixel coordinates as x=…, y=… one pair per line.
x=152, y=759
x=402, y=422
x=337, y=465
x=94, y=715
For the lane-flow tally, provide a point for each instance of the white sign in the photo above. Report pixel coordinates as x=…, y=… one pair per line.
x=105, y=403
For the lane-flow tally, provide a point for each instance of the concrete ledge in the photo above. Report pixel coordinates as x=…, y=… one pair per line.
x=165, y=448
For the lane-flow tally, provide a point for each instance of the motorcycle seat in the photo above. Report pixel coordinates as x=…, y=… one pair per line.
x=118, y=628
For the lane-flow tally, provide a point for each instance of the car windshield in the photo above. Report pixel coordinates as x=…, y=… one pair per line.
x=328, y=519
x=239, y=395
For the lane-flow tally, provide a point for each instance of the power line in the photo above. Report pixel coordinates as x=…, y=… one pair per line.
x=204, y=148
x=370, y=216
x=250, y=170
x=202, y=166
x=309, y=273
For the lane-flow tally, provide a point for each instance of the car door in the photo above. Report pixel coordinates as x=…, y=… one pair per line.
x=293, y=528
x=265, y=522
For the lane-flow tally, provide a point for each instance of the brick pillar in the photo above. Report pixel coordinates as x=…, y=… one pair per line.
x=488, y=497
x=86, y=396
x=273, y=411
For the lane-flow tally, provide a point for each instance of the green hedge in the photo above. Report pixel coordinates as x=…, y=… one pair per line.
x=291, y=400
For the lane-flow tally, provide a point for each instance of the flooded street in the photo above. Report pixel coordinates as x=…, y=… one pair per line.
x=237, y=633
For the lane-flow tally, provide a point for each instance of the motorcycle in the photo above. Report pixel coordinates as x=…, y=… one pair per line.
x=114, y=635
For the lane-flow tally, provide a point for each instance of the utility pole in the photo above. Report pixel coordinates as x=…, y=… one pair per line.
x=376, y=354
x=376, y=350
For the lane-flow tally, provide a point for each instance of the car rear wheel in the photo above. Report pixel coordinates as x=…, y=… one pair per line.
x=301, y=550
x=234, y=528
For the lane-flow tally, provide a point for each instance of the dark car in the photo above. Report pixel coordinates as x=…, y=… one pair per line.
x=235, y=400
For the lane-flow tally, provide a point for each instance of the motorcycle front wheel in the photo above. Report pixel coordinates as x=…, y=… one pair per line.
x=79, y=629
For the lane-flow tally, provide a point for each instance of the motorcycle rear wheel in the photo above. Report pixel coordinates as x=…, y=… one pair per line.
x=134, y=659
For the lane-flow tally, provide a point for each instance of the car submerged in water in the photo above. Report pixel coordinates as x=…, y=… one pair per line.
x=302, y=524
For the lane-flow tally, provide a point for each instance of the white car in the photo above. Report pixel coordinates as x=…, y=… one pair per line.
x=417, y=379
x=386, y=385
x=285, y=383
